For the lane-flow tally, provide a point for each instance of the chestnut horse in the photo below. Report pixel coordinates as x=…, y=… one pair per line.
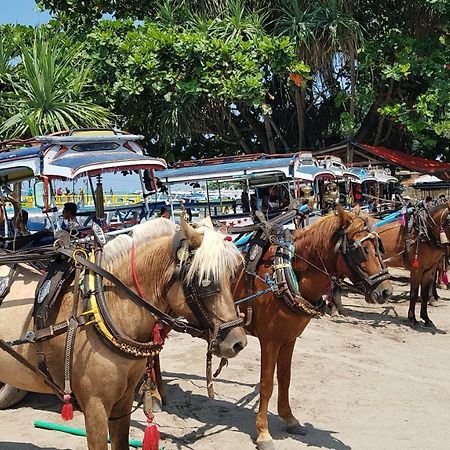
x=419, y=251
x=317, y=261
x=103, y=378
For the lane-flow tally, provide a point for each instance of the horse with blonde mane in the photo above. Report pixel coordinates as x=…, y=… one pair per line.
x=103, y=378
x=324, y=252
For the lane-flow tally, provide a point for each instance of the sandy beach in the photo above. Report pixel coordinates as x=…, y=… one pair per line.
x=364, y=381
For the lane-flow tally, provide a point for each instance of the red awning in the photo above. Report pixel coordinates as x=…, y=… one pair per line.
x=410, y=162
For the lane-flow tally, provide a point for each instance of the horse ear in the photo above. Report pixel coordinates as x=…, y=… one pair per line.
x=344, y=217
x=193, y=237
x=356, y=210
x=206, y=222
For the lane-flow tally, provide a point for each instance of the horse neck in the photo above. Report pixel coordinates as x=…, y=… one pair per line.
x=438, y=217
x=153, y=270
x=314, y=266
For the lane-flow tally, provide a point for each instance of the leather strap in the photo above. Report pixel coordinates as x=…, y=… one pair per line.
x=177, y=325
x=8, y=349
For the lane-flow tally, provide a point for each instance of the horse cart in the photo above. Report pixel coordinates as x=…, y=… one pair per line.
x=82, y=311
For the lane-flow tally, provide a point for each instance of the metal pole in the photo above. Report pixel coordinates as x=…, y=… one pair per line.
x=207, y=197
x=93, y=195
x=248, y=195
x=145, y=197
x=172, y=213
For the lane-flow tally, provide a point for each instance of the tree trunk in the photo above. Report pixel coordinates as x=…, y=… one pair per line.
x=382, y=118
x=300, y=107
x=278, y=132
x=269, y=133
x=256, y=128
x=352, y=88
x=237, y=132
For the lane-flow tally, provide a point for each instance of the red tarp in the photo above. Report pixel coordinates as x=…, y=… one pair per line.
x=410, y=162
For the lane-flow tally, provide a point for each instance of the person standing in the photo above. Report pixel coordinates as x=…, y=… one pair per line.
x=81, y=198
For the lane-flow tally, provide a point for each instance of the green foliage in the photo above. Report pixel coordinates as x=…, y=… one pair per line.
x=199, y=76
x=172, y=82
x=44, y=91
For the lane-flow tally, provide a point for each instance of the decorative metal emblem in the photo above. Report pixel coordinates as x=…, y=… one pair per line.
x=206, y=282
x=44, y=291
x=254, y=252
x=182, y=254
x=97, y=229
x=4, y=283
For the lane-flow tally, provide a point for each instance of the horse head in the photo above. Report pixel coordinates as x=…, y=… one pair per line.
x=201, y=291
x=345, y=247
x=360, y=257
x=438, y=221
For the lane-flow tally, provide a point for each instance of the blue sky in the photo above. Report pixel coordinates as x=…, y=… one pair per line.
x=24, y=12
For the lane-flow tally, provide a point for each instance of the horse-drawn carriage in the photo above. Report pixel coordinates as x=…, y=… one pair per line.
x=101, y=308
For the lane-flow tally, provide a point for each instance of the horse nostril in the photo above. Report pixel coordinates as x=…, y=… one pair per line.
x=238, y=347
x=385, y=294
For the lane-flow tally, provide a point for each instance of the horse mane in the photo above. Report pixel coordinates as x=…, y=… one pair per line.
x=117, y=248
x=320, y=234
x=214, y=259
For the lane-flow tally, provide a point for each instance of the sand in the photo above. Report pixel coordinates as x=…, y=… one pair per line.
x=364, y=381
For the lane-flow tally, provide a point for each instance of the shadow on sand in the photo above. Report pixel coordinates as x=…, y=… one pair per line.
x=388, y=316
x=24, y=446
x=218, y=415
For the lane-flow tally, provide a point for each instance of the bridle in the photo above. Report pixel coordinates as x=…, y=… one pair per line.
x=198, y=292
x=355, y=253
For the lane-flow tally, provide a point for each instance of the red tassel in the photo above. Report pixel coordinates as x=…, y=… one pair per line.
x=445, y=278
x=415, y=264
x=157, y=338
x=67, y=409
x=151, y=435
x=403, y=220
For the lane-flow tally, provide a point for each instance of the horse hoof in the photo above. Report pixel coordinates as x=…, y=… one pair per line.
x=434, y=302
x=265, y=445
x=295, y=428
x=429, y=324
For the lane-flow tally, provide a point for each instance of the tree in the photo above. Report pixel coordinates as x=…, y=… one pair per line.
x=46, y=89
x=378, y=67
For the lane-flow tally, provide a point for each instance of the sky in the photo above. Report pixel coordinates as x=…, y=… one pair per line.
x=24, y=12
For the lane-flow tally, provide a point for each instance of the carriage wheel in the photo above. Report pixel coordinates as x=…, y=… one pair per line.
x=10, y=396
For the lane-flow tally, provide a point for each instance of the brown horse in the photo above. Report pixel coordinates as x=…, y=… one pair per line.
x=419, y=251
x=318, y=259
x=104, y=379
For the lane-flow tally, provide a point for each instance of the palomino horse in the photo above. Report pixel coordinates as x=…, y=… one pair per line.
x=419, y=251
x=318, y=259
x=103, y=378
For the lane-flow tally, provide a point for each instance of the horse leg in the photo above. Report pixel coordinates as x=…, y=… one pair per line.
x=158, y=392
x=413, y=294
x=284, y=363
x=434, y=293
x=426, y=285
x=269, y=355
x=119, y=428
x=96, y=422
x=337, y=300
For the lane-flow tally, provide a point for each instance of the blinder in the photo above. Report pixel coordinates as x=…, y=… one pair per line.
x=196, y=292
x=357, y=253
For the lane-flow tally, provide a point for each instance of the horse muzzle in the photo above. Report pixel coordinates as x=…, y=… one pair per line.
x=229, y=344
x=381, y=294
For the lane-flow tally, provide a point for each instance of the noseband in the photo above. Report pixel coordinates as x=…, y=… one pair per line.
x=198, y=292
x=356, y=253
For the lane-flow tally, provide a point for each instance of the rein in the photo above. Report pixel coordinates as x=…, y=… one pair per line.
x=133, y=271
